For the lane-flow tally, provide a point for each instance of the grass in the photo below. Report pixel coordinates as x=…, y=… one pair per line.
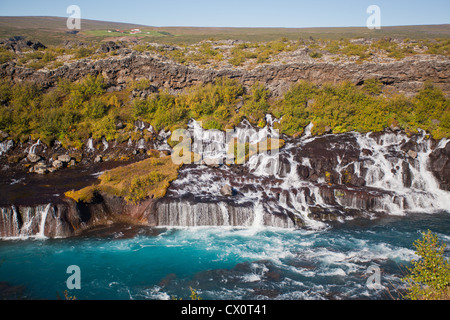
x=242, y=151
x=149, y=178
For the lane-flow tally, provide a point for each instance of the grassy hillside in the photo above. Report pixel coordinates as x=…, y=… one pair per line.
x=52, y=30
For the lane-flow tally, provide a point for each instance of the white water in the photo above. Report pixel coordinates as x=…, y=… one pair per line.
x=90, y=145
x=33, y=147
x=5, y=146
x=31, y=224
x=271, y=192
x=105, y=144
x=385, y=172
x=44, y=214
x=275, y=185
x=141, y=144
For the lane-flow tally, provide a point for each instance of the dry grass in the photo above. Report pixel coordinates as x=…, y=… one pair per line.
x=149, y=178
x=431, y=294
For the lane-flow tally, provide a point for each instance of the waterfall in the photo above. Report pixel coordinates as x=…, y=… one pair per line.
x=29, y=222
x=141, y=144
x=9, y=222
x=179, y=213
x=215, y=144
x=162, y=144
x=311, y=181
x=226, y=216
x=308, y=129
x=105, y=144
x=356, y=175
x=388, y=164
x=90, y=145
x=258, y=220
x=5, y=146
x=44, y=214
x=33, y=147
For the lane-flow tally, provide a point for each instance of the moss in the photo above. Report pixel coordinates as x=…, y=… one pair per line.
x=149, y=178
x=241, y=151
x=85, y=195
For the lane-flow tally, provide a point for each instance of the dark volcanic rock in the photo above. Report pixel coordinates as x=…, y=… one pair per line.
x=440, y=165
x=406, y=75
x=19, y=44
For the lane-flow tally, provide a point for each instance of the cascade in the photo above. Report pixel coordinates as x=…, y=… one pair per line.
x=271, y=188
x=387, y=165
x=26, y=222
x=90, y=145
x=105, y=144
x=311, y=181
x=43, y=216
x=33, y=147
x=141, y=144
x=5, y=146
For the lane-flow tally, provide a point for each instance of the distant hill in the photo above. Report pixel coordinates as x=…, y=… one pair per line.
x=53, y=30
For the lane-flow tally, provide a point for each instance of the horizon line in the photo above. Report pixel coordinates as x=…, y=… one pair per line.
x=229, y=27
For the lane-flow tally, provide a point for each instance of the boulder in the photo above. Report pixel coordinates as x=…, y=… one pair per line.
x=78, y=156
x=98, y=159
x=40, y=168
x=440, y=165
x=412, y=154
x=226, y=190
x=406, y=175
x=120, y=125
x=14, y=159
x=33, y=158
x=58, y=164
x=64, y=158
x=213, y=163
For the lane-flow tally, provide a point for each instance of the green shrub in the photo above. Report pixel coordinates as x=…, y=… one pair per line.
x=315, y=55
x=256, y=104
x=83, y=52
x=5, y=91
x=373, y=86
x=95, y=108
x=6, y=56
x=48, y=57
x=429, y=276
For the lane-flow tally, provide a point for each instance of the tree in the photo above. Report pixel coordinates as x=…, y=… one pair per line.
x=429, y=277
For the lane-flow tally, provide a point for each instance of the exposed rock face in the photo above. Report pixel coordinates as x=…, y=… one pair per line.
x=406, y=75
x=311, y=181
x=440, y=165
x=19, y=44
x=108, y=47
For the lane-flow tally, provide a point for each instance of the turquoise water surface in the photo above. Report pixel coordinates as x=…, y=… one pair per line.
x=120, y=262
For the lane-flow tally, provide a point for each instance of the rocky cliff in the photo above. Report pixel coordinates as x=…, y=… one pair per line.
x=405, y=76
x=311, y=181
x=308, y=183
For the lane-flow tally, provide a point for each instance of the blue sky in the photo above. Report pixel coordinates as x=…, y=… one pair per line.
x=240, y=13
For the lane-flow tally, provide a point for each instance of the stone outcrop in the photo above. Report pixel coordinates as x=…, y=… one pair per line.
x=19, y=44
x=325, y=179
x=440, y=165
x=406, y=75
